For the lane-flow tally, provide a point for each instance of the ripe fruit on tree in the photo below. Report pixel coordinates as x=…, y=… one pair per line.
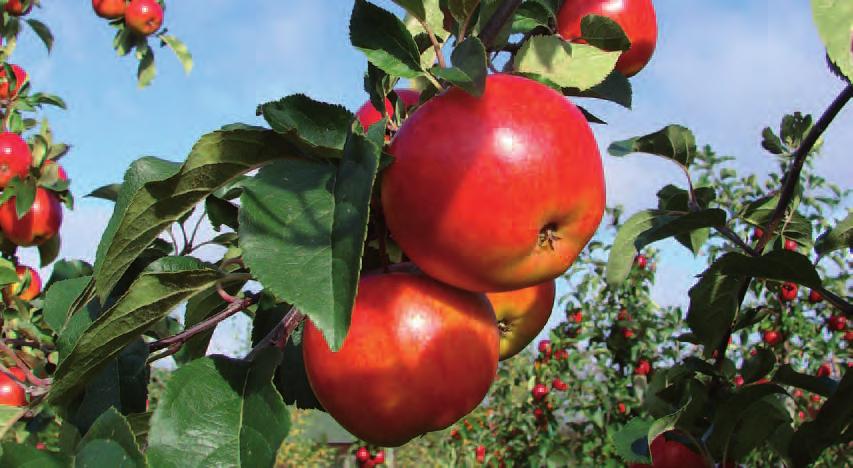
x=561, y=355
x=636, y=17
x=825, y=370
x=641, y=261
x=38, y=225
x=144, y=17
x=788, y=291
x=815, y=296
x=480, y=453
x=837, y=323
x=577, y=316
x=559, y=385
x=28, y=286
x=621, y=408
x=109, y=9
x=628, y=333
x=539, y=391
x=790, y=245
x=19, y=7
x=738, y=380
x=12, y=394
x=757, y=233
x=672, y=454
x=408, y=333
x=20, y=79
x=379, y=458
x=368, y=115
x=545, y=348
x=624, y=315
x=495, y=193
x=521, y=315
x=772, y=337
x=362, y=454
x=15, y=158
x=643, y=367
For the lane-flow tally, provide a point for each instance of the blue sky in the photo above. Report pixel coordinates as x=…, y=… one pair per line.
x=724, y=68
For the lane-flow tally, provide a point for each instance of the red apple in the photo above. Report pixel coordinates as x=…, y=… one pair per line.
x=798, y=393
x=673, y=454
x=38, y=225
x=636, y=17
x=498, y=192
x=19, y=7
x=559, y=385
x=837, y=323
x=815, y=297
x=27, y=288
x=12, y=394
x=790, y=245
x=109, y=9
x=368, y=115
x=628, y=333
x=21, y=78
x=539, y=392
x=788, y=291
x=545, y=348
x=522, y=314
x=622, y=408
x=379, y=458
x=577, y=316
x=144, y=17
x=757, y=233
x=738, y=380
x=418, y=356
x=362, y=454
x=624, y=315
x=641, y=262
x=15, y=158
x=825, y=370
x=772, y=337
x=643, y=367
x=480, y=453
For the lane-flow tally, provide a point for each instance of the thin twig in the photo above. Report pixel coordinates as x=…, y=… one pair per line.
x=188, y=248
x=496, y=23
x=279, y=335
x=435, y=44
x=21, y=343
x=181, y=338
x=23, y=366
x=729, y=234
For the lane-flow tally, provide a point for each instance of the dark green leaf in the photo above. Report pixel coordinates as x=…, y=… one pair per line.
x=413, y=7
x=42, y=31
x=199, y=308
x=156, y=192
x=8, y=274
x=828, y=428
x=219, y=412
x=780, y=265
x=316, y=127
x=714, y=302
x=113, y=427
x=27, y=456
x=757, y=366
x=221, y=212
x=469, y=67
x=532, y=15
x=181, y=51
x=673, y=142
x=462, y=10
x=615, y=88
x=839, y=237
x=631, y=441
x=771, y=142
x=824, y=386
x=107, y=192
x=149, y=299
x=147, y=70
x=385, y=40
x=604, y=33
x=49, y=250
x=732, y=411
x=58, y=300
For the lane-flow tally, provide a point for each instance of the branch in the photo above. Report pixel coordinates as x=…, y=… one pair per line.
x=729, y=234
x=496, y=23
x=279, y=335
x=23, y=366
x=792, y=178
x=174, y=343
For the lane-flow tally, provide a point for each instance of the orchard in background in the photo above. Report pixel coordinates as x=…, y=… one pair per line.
x=390, y=258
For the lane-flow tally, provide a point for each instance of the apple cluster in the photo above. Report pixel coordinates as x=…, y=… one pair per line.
x=143, y=17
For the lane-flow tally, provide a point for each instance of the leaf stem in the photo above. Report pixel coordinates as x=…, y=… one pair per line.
x=279, y=335
x=174, y=343
x=435, y=44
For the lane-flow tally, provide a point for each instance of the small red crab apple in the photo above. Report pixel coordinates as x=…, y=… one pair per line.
x=643, y=367
x=738, y=380
x=788, y=291
x=19, y=7
x=622, y=408
x=641, y=262
x=545, y=348
x=21, y=78
x=628, y=333
x=825, y=370
x=790, y=245
x=815, y=296
x=15, y=158
x=109, y=9
x=12, y=394
x=539, y=392
x=559, y=385
x=480, y=453
x=362, y=454
x=144, y=17
x=772, y=337
x=379, y=458
x=757, y=233
x=837, y=323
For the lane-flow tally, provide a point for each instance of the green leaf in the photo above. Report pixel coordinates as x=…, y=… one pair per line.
x=839, y=237
x=532, y=15
x=43, y=32
x=673, y=142
x=156, y=193
x=221, y=212
x=569, y=65
x=469, y=67
x=384, y=39
x=147, y=70
x=462, y=10
x=651, y=226
x=113, y=427
x=615, y=88
x=824, y=386
x=758, y=366
x=316, y=127
x=217, y=411
x=830, y=427
x=604, y=33
x=413, y=7
x=8, y=275
x=171, y=281
x=58, y=300
x=27, y=456
x=9, y=415
x=302, y=228
x=107, y=192
x=757, y=425
x=181, y=51
x=199, y=308
x=631, y=442
x=779, y=265
x=771, y=142
x=714, y=302
x=732, y=411
x=49, y=250
x=834, y=19
x=487, y=9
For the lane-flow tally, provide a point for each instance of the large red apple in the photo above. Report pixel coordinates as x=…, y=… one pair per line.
x=522, y=314
x=498, y=192
x=144, y=17
x=20, y=80
x=38, y=225
x=15, y=158
x=19, y=7
x=672, y=454
x=26, y=276
x=11, y=394
x=368, y=115
x=636, y=17
x=419, y=355
x=109, y=9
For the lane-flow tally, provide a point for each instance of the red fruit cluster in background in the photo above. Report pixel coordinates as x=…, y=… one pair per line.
x=364, y=459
